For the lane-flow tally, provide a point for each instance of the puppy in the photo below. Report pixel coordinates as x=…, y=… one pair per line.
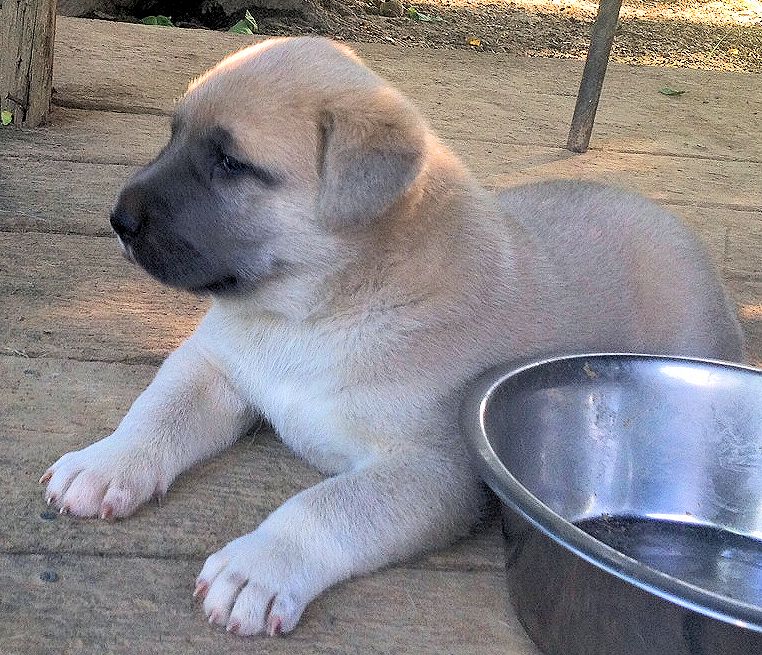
x=360, y=276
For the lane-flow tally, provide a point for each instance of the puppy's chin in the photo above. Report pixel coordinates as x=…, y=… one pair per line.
x=198, y=274
x=218, y=285
x=200, y=282
x=181, y=270
x=227, y=285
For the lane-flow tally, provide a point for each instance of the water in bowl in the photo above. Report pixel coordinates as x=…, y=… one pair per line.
x=720, y=561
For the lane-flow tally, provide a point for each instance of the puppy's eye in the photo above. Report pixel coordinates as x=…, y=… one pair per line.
x=232, y=166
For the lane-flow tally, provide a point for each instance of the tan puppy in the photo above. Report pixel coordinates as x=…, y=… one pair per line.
x=360, y=277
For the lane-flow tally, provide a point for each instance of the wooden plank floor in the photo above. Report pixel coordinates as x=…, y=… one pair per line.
x=82, y=331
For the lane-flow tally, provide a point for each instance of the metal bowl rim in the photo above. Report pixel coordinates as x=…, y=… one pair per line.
x=520, y=499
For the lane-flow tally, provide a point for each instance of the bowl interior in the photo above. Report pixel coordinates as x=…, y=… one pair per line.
x=659, y=458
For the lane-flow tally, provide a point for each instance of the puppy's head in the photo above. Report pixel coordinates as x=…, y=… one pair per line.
x=274, y=153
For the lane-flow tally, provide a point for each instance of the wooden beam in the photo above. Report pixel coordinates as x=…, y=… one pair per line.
x=27, y=28
x=601, y=41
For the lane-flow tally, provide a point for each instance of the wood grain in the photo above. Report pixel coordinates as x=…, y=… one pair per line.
x=127, y=605
x=465, y=95
x=27, y=32
x=78, y=298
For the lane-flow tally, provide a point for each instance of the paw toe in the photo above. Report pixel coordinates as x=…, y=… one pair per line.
x=221, y=596
x=84, y=495
x=250, y=609
x=274, y=625
x=110, y=478
x=284, y=614
x=59, y=483
x=119, y=502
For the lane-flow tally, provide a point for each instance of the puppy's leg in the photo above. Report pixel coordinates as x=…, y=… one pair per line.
x=187, y=413
x=351, y=524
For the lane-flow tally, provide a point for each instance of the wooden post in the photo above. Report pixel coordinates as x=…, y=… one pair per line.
x=601, y=41
x=27, y=28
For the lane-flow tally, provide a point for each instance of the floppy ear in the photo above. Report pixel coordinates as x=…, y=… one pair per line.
x=372, y=150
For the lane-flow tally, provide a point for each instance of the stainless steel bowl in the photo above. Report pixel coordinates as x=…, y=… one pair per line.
x=632, y=501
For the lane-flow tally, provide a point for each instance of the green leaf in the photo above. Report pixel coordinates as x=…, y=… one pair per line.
x=241, y=27
x=246, y=26
x=414, y=14
x=161, y=21
x=667, y=91
x=6, y=117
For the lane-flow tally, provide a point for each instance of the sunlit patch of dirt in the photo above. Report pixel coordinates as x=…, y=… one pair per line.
x=708, y=34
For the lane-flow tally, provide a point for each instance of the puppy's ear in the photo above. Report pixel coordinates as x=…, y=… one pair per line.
x=372, y=149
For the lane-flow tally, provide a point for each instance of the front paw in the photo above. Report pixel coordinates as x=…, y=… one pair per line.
x=253, y=585
x=109, y=479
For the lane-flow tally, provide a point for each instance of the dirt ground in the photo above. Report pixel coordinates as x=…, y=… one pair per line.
x=722, y=35
x=706, y=34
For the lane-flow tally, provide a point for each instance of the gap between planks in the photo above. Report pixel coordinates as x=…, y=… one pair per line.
x=148, y=360
x=423, y=565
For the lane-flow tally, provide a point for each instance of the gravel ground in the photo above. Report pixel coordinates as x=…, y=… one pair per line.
x=689, y=33
x=707, y=34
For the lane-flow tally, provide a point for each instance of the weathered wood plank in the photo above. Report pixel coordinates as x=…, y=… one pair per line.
x=52, y=406
x=79, y=135
x=57, y=196
x=670, y=180
x=78, y=298
x=96, y=136
x=134, y=605
x=743, y=243
x=465, y=94
x=27, y=31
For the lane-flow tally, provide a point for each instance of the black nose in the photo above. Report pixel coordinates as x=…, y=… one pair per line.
x=125, y=223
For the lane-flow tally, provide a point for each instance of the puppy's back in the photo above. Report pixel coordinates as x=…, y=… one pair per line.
x=635, y=278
